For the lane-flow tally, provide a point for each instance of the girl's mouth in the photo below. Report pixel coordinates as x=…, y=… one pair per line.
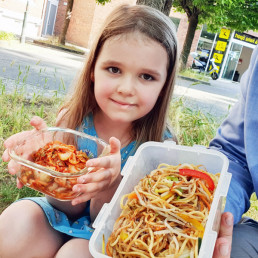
x=123, y=104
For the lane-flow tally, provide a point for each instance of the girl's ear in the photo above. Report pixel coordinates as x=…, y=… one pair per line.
x=92, y=76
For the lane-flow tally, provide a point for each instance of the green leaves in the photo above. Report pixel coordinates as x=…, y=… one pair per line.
x=237, y=15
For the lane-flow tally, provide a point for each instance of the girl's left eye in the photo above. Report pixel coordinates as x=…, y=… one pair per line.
x=113, y=69
x=147, y=77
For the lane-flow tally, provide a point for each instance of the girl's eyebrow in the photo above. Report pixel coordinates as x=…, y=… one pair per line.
x=111, y=62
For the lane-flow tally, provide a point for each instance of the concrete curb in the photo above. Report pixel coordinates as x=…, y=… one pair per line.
x=9, y=43
x=193, y=80
x=36, y=42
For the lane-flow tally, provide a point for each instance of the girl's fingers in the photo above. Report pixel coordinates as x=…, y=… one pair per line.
x=91, y=184
x=38, y=123
x=18, y=183
x=115, y=145
x=100, y=175
x=6, y=156
x=13, y=167
x=12, y=140
x=103, y=162
x=109, y=160
x=88, y=191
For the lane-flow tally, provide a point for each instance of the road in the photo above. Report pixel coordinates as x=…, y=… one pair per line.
x=38, y=68
x=216, y=99
x=46, y=71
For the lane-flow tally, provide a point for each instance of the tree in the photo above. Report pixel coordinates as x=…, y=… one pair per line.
x=161, y=5
x=240, y=15
x=69, y=9
x=237, y=15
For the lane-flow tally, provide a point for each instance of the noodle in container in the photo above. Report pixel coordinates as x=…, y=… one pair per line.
x=154, y=172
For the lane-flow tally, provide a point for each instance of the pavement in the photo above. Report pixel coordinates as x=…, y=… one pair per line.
x=213, y=97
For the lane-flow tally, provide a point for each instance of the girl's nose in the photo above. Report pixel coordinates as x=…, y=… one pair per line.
x=126, y=85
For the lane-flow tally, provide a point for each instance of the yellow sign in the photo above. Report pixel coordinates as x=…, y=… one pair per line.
x=247, y=38
x=224, y=33
x=221, y=45
x=218, y=57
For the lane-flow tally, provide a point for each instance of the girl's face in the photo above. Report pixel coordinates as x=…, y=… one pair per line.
x=128, y=77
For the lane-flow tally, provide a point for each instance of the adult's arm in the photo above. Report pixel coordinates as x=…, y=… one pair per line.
x=237, y=138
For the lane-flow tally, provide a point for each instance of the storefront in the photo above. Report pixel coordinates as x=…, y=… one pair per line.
x=237, y=56
x=231, y=50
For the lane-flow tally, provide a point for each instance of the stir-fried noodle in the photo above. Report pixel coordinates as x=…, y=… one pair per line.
x=165, y=214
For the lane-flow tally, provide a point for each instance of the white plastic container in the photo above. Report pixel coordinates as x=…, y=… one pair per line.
x=148, y=156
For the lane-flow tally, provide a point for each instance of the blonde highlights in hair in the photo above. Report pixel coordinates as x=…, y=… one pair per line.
x=127, y=19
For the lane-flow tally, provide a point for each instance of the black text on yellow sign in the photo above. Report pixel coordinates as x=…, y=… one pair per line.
x=218, y=57
x=246, y=38
x=224, y=33
x=221, y=45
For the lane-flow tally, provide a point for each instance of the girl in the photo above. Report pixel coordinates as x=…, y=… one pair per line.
x=124, y=91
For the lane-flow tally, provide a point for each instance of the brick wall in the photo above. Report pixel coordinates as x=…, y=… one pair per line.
x=81, y=22
x=60, y=17
x=101, y=12
x=193, y=47
x=88, y=17
x=181, y=34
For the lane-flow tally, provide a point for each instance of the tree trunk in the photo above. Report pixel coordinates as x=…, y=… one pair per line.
x=69, y=9
x=193, y=22
x=161, y=5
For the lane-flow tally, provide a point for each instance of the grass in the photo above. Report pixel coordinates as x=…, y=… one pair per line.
x=192, y=127
x=7, y=36
x=15, y=114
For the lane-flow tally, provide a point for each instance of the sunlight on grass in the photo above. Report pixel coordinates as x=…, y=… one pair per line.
x=15, y=113
x=195, y=75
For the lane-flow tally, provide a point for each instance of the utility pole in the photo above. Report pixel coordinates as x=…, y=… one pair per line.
x=24, y=25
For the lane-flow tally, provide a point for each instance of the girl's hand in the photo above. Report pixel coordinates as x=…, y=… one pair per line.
x=13, y=167
x=107, y=175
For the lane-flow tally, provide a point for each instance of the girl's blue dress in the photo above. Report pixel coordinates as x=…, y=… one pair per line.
x=57, y=219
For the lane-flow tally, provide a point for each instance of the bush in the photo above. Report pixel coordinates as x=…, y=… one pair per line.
x=7, y=36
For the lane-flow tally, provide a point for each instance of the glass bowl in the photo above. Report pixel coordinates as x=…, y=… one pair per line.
x=51, y=160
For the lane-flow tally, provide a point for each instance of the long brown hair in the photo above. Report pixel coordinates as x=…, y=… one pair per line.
x=125, y=19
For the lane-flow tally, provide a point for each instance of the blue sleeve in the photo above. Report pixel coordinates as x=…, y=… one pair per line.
x=169, y=135
x=237, y=138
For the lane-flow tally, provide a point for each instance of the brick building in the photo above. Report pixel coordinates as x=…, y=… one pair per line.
x=46, y=17
x=12, y=15
x=88, y=16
